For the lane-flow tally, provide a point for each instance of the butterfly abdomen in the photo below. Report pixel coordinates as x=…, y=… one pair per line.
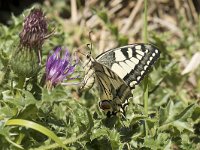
x=89, y=77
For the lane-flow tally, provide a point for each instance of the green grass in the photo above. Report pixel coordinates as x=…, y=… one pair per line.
x=31, y=117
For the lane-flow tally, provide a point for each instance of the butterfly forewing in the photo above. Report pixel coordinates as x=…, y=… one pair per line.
x=130, y=62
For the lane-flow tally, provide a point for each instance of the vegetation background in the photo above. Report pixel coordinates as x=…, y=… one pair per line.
x=33, y=118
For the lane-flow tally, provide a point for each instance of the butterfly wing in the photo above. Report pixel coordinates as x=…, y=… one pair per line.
x=131, y=63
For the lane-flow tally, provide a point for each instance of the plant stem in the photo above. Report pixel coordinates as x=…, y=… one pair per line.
x=21, y=82
x=145, y=94
x=145, y=22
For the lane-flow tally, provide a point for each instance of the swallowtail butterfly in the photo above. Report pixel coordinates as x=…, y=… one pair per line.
x=117, y=71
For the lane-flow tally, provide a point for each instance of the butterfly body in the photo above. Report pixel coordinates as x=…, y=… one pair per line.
x=117, y=72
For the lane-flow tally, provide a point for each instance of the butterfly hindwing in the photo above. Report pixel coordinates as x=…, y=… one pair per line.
x=113, y=90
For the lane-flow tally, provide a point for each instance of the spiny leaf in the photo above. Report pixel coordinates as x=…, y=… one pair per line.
x=169, y=117
x=186, y=113
x=166, y=114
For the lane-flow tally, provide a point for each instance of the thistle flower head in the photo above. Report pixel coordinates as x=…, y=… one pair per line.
x=58, y=67
x=34, y=30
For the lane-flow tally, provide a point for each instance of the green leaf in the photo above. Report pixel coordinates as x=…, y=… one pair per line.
x=21, y=100
x=160, y=142
x=166, y=114
x=114, y=30
x=168, y=146
x=196, y=113
x=14, y=144
x=112, y=135
x=123, y=40
x=37, y=127
x=169, y=117
x=114, y=138
x=4, y=58
x=103, y=15
x=74, y=138
x=137, y=118
x=186, y=113
x=150, y=143
x=96, y=133
x=182, y=125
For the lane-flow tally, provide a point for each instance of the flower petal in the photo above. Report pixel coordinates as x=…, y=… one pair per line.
x=59, y=67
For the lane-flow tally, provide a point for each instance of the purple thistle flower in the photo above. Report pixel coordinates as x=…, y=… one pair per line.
x=58, y=67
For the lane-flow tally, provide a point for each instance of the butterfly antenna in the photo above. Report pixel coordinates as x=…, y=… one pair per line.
x=90, y=37
x=79, y=50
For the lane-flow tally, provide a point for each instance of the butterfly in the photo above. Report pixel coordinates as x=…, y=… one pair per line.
x=117, y=72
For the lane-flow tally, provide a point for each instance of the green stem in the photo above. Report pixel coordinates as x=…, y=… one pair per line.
x=145, y=94
x=21, y=82
x=198, y=24
x=20, y=138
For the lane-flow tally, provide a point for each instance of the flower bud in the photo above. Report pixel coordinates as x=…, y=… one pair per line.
x=24, y=62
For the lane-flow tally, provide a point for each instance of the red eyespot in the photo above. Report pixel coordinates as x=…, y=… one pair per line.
x=105, y=104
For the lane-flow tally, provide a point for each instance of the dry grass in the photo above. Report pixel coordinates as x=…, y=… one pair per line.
x=176, y=21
